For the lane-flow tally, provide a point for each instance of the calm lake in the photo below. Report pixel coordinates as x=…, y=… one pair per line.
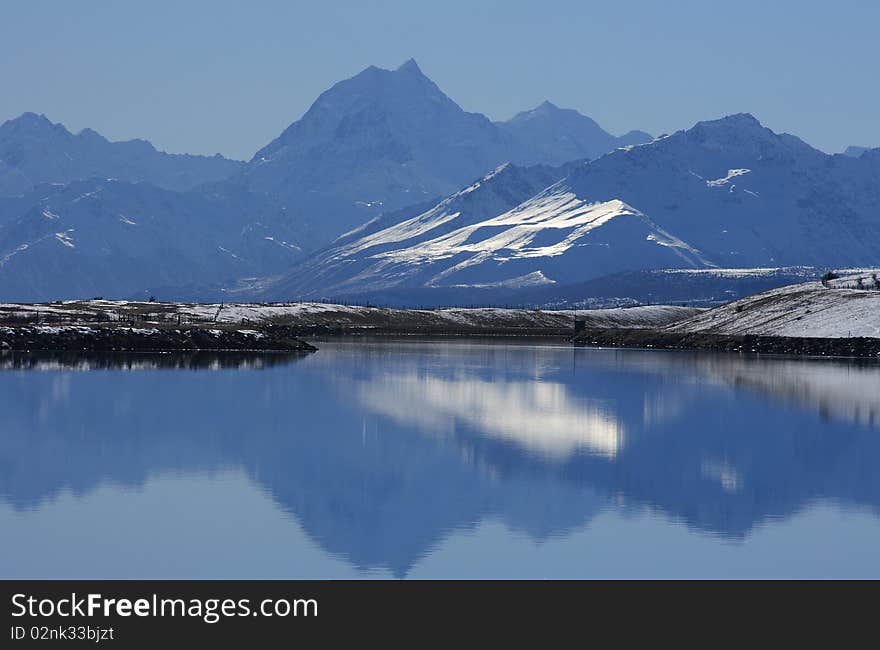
x=450, y=459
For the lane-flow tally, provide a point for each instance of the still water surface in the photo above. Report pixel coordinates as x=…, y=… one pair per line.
x=460, y=459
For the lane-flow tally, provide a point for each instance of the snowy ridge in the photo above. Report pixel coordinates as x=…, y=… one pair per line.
x=553, y=236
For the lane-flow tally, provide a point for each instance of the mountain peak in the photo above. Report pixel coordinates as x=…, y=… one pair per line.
x=410, y=66
x=741, y=118
x=546, y=110
x=29, y=121
x=736, y=121
x=29, y=117
x=854, y=151
x=744, y=133
x=736, y=127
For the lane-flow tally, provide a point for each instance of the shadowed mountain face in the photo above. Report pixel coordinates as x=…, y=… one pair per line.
x=746, y=196
x=381, y=452
x=553, y=136
x=113, y=238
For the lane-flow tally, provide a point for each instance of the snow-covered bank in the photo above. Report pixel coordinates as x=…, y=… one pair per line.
x=341, y=317
x=834, y=309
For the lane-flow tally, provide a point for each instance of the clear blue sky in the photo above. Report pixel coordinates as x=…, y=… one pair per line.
x=227, y=77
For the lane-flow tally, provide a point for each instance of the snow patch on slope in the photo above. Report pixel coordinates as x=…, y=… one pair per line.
x=548, y=225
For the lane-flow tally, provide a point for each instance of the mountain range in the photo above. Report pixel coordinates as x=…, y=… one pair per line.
x=386, y=184
x=725, y=193
x=385, y=139
x=33, y=150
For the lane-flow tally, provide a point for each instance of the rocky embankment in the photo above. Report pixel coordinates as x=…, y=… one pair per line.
x=96, y=337
x=319, y=319
x=794, y=345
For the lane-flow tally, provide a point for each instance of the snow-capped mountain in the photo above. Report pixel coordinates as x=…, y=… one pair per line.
x=385, y=139
x=746, y=196
x=725, y=193
x=552, y=135
x=356, y=179
x=516, y=227
x=33, y=150
x=378, y=141
x=118, y=239
x=367, y=148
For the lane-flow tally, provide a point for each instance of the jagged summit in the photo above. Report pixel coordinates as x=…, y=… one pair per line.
x=544, y=107
x=737, y=123
x=744, y=119
x=544, y=110
x=740, y=127
x=410, y=66
x=741, y=136
x=28, y=119
x=550, y=134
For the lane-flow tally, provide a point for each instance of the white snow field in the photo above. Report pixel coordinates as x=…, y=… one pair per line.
x=836, y=309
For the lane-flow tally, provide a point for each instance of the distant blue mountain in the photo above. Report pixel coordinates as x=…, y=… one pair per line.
x=552, y=135
x=33, y=150
x=855, y=151
x=118, y=239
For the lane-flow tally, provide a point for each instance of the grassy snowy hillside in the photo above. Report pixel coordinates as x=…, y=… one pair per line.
x=840, y=308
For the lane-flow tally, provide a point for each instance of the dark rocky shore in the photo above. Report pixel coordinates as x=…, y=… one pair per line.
x=148, y=338
x=803, y=346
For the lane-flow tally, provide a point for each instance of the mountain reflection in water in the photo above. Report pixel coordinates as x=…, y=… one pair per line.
x=380, y=451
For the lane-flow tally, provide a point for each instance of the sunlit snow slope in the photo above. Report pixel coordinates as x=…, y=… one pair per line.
x=497, y=233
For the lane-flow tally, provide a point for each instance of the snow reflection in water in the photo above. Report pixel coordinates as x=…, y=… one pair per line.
x=393, y=457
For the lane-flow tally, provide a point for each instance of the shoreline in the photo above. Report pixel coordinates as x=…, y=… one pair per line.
x=147, y=338
x=856, y=347
x=102, y=326
x=286, y=339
